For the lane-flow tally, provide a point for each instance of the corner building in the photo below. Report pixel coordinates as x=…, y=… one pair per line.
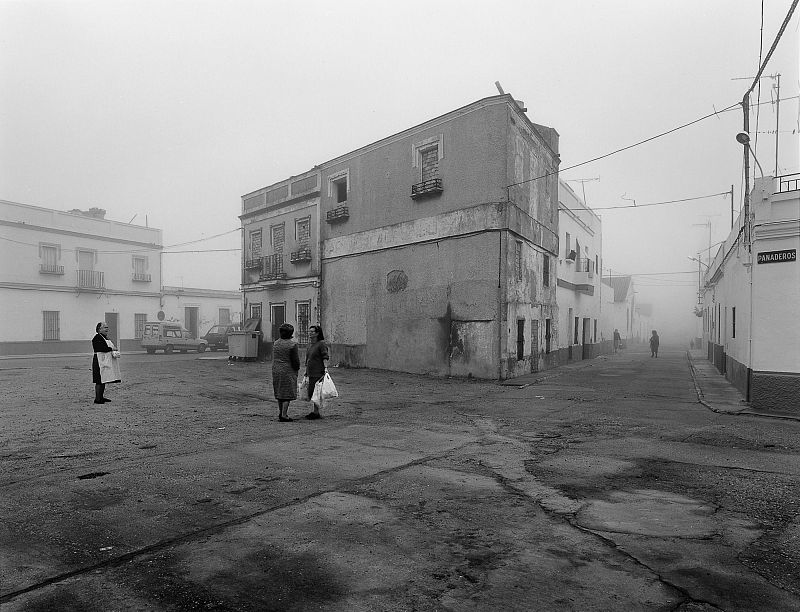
x=436, y=247
x=439, y=245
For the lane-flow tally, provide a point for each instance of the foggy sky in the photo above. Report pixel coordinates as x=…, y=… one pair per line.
x=170, y=111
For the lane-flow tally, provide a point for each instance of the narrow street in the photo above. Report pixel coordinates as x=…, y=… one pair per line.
x=603, y=485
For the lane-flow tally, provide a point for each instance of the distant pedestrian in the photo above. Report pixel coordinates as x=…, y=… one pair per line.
x=285, y=365
x=316, y=358
x=654, y=344
x=617, y=340
x=105, y=363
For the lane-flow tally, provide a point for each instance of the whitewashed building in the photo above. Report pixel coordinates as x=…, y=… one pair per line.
x=63, y=272
x=751, y=299
x=578, y=286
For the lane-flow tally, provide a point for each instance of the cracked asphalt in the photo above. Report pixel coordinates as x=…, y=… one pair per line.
x=620, y=483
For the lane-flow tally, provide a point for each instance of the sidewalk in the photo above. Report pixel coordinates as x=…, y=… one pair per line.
x=718, y=394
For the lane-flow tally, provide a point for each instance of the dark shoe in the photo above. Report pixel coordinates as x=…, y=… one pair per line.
x=284, y=419
x=99, y=401
x=313, y=415
x=105, y=399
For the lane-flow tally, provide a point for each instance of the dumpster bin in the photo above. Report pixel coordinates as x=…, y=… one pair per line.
x=244, y=345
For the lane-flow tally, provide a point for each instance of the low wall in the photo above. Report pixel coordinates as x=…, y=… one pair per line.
x=775, y=391
x=61, y=347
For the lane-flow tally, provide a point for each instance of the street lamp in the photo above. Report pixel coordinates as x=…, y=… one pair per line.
x=743, y=138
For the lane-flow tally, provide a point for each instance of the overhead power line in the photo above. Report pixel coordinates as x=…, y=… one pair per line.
x=711, y=195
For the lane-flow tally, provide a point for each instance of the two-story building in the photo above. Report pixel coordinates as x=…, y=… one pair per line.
x=619, y=308
x=62, y=272
x=579, y=295
x=436, y=247
x=751, y=298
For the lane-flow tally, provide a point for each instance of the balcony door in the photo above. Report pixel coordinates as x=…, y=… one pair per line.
x=278, y=319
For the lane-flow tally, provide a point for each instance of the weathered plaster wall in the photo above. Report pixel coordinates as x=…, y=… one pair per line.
x=397, y=311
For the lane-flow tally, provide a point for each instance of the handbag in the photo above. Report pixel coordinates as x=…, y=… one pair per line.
x=328, y=388
x=302, y=388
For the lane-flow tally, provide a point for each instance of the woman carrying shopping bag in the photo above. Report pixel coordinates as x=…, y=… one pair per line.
x=316, y=366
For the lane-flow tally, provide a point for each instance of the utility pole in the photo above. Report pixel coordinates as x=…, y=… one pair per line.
x=731, y=206
x=777, y=86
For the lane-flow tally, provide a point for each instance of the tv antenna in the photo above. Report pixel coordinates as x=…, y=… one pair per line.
x=583, y=188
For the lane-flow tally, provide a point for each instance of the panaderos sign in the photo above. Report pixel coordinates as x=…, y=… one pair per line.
x=777, y=256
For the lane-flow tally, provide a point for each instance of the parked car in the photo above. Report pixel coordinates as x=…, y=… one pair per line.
x=217, y=336
x=161, y=335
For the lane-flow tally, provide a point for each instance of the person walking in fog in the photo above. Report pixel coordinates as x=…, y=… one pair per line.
x=654, y=344
x=105, y=363
x=617, y=340
x=316, y=358
x=285, y=365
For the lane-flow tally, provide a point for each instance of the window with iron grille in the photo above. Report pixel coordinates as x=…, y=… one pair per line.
x=273, y=264
x=302, y=230
x=303, y=316
x=139, y=320
x=50, y=255
x=255, y=310
x=255, y=244
x=51, y=329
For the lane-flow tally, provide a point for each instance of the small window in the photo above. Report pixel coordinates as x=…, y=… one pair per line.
x=51, y=326
x=255, y=244
x=546, y=271
x=302, y=230
x=339, y=186
x=255, y=311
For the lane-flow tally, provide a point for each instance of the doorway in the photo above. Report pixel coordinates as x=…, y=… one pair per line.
x=112, y=319
x=534, y=345
x=191, y=319
x=278, y=319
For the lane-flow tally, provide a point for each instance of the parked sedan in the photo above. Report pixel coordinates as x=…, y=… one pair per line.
x=217, y=336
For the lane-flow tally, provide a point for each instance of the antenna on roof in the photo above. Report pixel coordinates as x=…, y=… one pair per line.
x=499, y=87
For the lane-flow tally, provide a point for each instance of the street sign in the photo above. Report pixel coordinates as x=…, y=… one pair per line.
x=777, y=256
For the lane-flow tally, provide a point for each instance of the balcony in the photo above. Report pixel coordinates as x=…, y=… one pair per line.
x=51, y=269
x=788, y=182
x=141, y=277
x=90, y=279
x=253, y=264
x=427, y=188
x=301, y=256
x=340, y=213
x=272, y=268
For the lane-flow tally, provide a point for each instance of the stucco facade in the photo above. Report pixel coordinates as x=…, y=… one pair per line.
x=281, y=255
x=62, y=272
x=437, y=247
x=581, y=332
x=198, y=310
x=751, y=299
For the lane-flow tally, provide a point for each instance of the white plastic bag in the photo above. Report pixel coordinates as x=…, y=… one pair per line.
x=317, y=397
x=302, y=388
x=328, y=388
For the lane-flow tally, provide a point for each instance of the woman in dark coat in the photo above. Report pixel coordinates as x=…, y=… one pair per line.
x=316, y=356
x=654, y=344
x=285, y=365
x=100, y=345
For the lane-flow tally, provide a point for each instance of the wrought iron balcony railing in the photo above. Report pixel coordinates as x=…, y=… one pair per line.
x=253, y=264
x=585, y=265
x=300, y=256
x=90, y=279
x=788, y=182
x=141, y=277
x=340, y=213
x=427, y=188
x=51, y=269
x=272, y=268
